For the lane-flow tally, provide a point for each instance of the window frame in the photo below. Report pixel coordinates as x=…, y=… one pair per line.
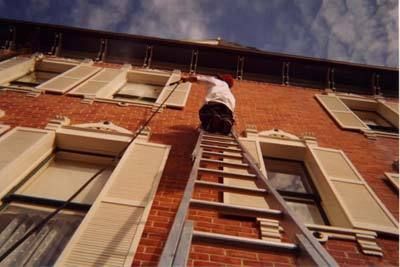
x=377, y=104
x=107, y=89
x=299, y=197
x=284, y=145
x=31, y=64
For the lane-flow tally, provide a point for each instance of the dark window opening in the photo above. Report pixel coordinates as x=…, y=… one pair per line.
x=375, y=121
x=34, y=78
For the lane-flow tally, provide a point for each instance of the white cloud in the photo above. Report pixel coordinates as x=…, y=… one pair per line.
x=171, y=19
x=358, y=30
x=105, y=15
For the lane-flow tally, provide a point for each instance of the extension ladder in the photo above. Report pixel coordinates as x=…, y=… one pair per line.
x=227, y=152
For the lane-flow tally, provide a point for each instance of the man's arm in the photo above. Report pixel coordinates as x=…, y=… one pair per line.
x=200, y=78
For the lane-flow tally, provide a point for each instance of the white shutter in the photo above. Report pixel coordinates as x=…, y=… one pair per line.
x=104, y=81
x=110, y=233
x=242, y=199
x=16, y=67
x=21, y=150
x=346, y=197
x=69, y=79
x=179, y=96
x=341, y=113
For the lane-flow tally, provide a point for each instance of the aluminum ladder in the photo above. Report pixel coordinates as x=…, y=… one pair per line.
x=226, y=151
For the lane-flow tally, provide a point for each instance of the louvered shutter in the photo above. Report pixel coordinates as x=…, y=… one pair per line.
x=21, y=150
x=341, y=113
x=16, y=67
x=111, y=231
x=242, y=199
x=104, y=81
x=346, y=197
x=69, y=79
x=179, y=96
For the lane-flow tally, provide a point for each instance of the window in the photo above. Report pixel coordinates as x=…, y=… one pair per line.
x=344, y=196
x=293, y=183
x=33, y=79
x=374, y=121
x=64, y=173
x=126, y=86
x=39, y=172
x=360, y=113
x=28, y=73
x=48, y=186
x=140, y=90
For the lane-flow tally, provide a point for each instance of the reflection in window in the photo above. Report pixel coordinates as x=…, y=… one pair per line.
x=53, y=182
x=41, y=248
x=293, y=183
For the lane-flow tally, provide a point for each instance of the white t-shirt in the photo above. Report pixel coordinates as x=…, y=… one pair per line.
x=218, y=92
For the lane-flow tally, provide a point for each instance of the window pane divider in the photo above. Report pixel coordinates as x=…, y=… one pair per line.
x=45, y=201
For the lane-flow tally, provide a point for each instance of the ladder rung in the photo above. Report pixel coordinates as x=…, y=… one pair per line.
x=221, y=148
x=242, y=241
x=219, y=142
x=224, y=155
x=221, y=137
x=234, y=164
x=232, y=188
x=234, y=209
x=225, y=173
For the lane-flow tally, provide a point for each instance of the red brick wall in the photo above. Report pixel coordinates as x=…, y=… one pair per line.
x=267, y=106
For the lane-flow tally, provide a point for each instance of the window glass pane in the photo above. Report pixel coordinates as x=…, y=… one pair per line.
x=287, y=175
x=35, y=78
x=61, y=178
x=139, y=91
x=307, y=212
x=41, y=248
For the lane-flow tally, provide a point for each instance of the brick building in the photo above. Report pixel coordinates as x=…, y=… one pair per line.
x=325, y=133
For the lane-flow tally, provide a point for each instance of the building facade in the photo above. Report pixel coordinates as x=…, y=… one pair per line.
x=324, y=133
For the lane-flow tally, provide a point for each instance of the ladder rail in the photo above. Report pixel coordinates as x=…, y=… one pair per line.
x=171, y=245
x=309, y=251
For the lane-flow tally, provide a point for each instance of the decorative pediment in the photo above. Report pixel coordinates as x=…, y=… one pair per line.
x=104, y=126
x=277, y=133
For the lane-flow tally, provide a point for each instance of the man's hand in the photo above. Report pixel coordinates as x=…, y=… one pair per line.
x=191, y=79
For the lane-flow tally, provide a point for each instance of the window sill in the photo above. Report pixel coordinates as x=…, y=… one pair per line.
x=365, y=239
x=371, y=134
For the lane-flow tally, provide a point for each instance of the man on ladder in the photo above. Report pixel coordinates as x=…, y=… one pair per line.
x=216, y=115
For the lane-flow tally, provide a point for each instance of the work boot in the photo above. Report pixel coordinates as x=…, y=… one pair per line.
x=226, y=126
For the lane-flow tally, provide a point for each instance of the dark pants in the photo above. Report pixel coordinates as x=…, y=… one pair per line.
x=216, y=117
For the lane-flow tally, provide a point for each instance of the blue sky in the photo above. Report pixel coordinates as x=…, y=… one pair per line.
x=361, y=31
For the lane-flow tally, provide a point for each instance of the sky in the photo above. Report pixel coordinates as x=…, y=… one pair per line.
x=359, y=31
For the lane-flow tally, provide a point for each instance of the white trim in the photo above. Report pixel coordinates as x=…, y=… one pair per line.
x=4, y=128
